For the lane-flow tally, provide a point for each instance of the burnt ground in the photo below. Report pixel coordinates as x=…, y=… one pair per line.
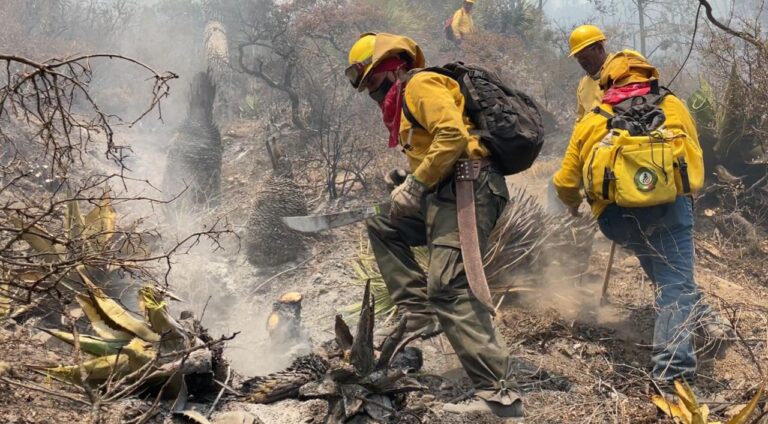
x=577, y=361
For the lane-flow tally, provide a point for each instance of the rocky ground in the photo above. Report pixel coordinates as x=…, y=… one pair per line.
x=577, y=361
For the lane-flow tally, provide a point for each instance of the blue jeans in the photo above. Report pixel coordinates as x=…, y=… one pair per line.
x=662, y=239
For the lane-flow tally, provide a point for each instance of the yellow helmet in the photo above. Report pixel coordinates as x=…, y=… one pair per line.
x=360, y=59
x=583, y=37
x=371, y=48
x=469, y=1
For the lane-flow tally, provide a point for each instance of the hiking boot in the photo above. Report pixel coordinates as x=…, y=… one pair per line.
x=715, y=327
x=715, y=333
x=479, y=405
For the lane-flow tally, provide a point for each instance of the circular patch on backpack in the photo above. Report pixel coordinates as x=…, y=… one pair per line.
x=645, y=179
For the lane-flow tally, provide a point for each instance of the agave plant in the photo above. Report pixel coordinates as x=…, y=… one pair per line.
x=92, y=235
x=149, y=350
x=689, y=411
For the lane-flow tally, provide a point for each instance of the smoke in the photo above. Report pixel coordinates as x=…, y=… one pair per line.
x=166, y=35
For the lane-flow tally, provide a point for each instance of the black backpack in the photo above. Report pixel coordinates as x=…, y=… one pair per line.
x=638, y=115
x=508, y=121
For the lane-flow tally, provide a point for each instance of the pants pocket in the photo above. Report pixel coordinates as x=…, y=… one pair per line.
x=445, y=266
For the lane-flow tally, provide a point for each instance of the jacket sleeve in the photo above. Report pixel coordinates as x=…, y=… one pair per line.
x=434, y=106
x=678, y=117
x=567, y=179
x=580, y=111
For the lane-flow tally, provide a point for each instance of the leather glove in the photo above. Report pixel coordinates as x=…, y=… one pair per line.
x=406, y=198
x=395, y=177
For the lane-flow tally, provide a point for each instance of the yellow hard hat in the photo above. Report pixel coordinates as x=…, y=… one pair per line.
x=371, y=48
x=583, y=37
x=290, y=297
x=469, y=1
x=360, y=59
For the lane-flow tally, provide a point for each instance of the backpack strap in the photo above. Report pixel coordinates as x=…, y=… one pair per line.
x=409, y=116
x=600, y=111
x=406, y=110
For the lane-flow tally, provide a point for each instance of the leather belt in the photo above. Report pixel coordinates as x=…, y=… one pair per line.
x=466, y=172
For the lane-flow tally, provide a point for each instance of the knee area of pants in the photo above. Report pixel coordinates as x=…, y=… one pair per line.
x=375, y=225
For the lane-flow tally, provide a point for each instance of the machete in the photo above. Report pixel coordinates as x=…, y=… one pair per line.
x=315, y=223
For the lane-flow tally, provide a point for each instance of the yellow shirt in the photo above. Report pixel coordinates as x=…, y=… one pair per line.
x=592, y=129
x=589, y=96
x=437, y=104
x=462, y=24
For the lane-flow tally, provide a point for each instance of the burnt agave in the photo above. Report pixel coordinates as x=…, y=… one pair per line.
x=194, y=159
x=360, y=383
x=268, y=241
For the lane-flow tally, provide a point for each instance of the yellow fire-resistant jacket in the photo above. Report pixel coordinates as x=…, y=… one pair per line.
x=462, y=24
x=437, y=104
x=591, y=130
x=589, y=95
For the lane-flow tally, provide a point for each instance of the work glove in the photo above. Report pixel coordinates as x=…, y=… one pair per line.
x=395, y=177
x=406, y=198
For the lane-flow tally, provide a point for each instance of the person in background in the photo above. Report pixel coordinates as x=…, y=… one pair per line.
x=660, y=234
x=461, y=23
x=587, y=44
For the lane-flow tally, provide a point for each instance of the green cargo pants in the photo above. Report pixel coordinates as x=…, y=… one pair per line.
x=445, y=290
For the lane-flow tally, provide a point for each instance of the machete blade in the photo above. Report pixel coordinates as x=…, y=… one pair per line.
x=315, y=223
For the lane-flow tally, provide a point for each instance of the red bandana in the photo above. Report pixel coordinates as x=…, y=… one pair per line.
x=391, y=109
x=615, y=95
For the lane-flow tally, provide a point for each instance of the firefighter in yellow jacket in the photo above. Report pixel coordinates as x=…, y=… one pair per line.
x=587, y=44
x=461, y=23
x=424, y=212
x=639, y=186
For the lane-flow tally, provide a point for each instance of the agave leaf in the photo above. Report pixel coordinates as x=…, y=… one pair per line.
x=112, y=313
x=96, y=370
x=119, y=318
x=100, y=222
x=174, y=337
x=672, y=410
x=89, y=344
x=73, y=219
x=343, y=336
x=698, y=413
x=40, y=240
x=100, y=326
x=744, y=414
x=139, y=353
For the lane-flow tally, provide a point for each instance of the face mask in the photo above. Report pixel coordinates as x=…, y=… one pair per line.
x=380, y=93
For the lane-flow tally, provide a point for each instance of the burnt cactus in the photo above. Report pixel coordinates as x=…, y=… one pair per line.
x=194, y=159
x=269, y=242
x=360, y=383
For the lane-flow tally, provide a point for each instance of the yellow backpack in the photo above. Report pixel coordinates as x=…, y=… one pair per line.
x=642, y=164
